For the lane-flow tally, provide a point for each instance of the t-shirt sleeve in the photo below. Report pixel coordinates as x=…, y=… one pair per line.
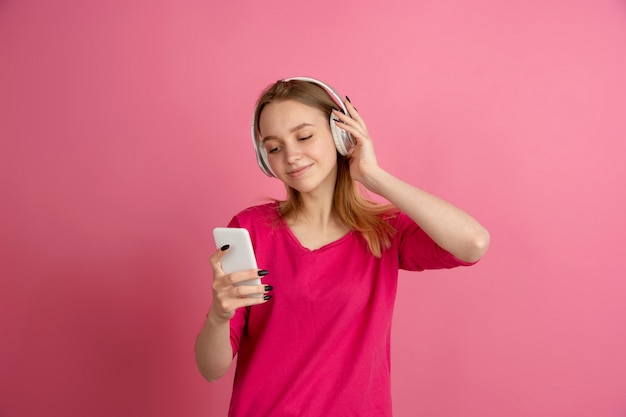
x=417, y=251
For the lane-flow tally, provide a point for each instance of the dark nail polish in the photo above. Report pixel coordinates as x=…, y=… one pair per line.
x=267, y=297
x=268, y=288
x=262, y=272
x=348, y=98
x=225, y=247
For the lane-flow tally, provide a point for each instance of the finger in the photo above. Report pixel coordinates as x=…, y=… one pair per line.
x=216, y=259
x=342, y=120
x=224, y=283
x=257, y=291
x=354, y=113
x=253, y=274
x=346, y=120
x=357, y=132
x=226, y=306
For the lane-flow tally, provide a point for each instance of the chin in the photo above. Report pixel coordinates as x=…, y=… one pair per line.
x=302, y=189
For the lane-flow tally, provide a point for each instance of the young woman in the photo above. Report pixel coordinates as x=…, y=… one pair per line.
x=317, y=343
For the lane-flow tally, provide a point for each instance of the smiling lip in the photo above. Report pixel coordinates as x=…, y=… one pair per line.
x=298, y=171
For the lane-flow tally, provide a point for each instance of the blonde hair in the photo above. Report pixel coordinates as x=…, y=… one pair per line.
x=356, y=212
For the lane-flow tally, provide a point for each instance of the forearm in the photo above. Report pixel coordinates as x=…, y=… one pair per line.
x=450, y=227
x=214, y=352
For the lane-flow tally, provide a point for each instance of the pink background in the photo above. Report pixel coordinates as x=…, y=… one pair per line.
x=125, y=140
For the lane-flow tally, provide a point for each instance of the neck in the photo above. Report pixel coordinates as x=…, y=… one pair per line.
x=316, y=224
x=316, y=212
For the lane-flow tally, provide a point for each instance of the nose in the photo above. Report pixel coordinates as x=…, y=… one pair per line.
x=293, y=153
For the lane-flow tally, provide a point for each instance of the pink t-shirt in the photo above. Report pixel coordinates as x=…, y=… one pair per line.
x=321, y=345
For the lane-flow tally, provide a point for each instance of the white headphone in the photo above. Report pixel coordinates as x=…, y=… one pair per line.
x=343, y=140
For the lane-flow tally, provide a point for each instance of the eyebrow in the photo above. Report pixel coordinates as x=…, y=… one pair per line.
x=292, y=130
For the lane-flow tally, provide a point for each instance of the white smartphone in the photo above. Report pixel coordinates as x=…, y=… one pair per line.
x=240, y=255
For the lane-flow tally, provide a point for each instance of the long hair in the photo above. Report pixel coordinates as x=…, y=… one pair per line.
x=355, y=211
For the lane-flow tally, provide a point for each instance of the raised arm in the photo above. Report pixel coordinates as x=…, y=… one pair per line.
x=450, y=227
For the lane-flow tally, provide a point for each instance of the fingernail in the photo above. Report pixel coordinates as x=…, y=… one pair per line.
x=262, y=272
x=223, y=248
x=267, y=297
x=268, y=288
x=348, y=98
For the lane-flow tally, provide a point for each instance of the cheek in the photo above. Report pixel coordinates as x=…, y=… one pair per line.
x=331, y=150
x=327, y=144
x=272, y=159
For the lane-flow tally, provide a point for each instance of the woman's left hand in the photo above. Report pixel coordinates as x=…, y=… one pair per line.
x=363, y=162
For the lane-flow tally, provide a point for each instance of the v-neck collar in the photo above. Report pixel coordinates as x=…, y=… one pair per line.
x=299, y=244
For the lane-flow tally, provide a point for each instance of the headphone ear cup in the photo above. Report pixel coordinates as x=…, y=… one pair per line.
x=343, y=140
x=264, y=163
x=261, y=153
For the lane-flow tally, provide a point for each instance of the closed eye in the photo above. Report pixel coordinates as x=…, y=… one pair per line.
x=306, y=137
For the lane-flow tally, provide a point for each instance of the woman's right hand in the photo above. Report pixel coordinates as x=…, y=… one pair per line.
x=227, y=297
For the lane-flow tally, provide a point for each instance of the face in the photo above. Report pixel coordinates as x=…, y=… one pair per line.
x=299, y=145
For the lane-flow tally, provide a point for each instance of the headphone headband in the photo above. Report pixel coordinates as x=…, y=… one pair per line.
x=343, y=140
